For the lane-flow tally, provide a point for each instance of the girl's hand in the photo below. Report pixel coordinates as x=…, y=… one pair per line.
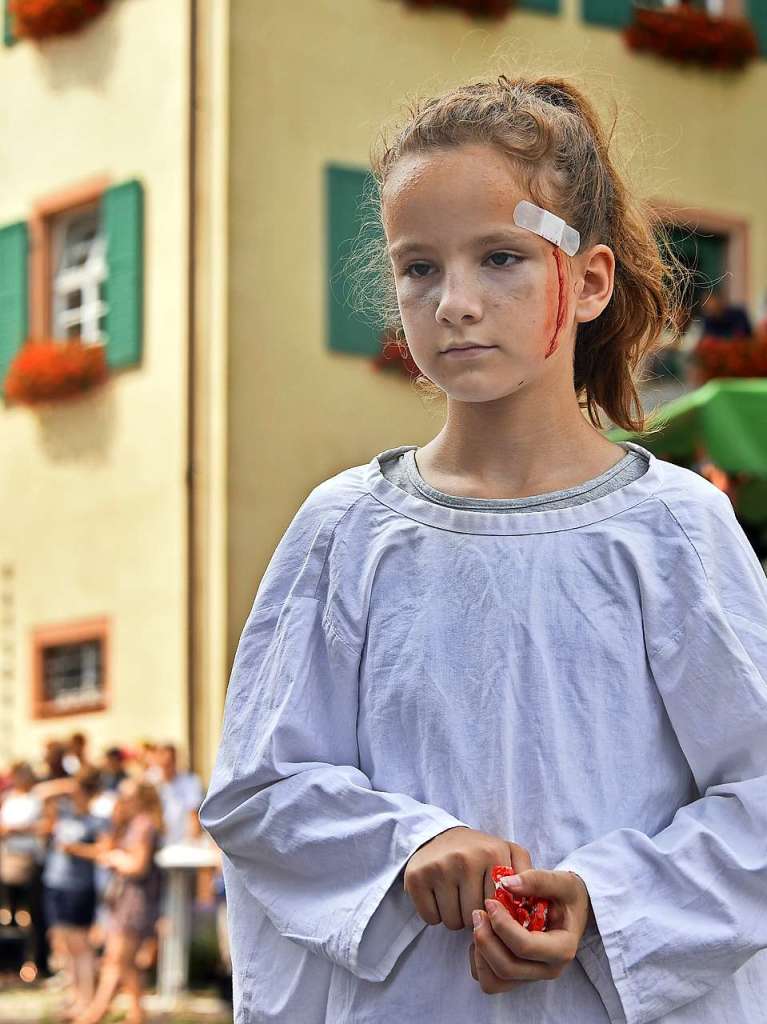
x=449, y=877
x=114, y=859
x=503, y=954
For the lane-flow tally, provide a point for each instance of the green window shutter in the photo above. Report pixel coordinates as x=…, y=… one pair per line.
x=8, y=35
x=757, y=13
x=616, y=13
x=123, y=213
x=14, y=305
x=549, y=6
x=344, y=191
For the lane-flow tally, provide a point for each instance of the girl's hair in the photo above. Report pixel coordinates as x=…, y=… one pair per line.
x=558, y=148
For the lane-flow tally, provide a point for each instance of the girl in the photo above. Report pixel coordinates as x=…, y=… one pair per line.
x=519, y=644
x=134, y=900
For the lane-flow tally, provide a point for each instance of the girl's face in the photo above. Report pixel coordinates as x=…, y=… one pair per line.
x=465, y=273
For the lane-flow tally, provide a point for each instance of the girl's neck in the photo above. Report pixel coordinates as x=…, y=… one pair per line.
x=488, y=450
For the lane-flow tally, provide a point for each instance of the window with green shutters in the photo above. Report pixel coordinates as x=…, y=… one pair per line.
x=123, y=213
x=107, y=306
x=348, y=229
x=14, y=303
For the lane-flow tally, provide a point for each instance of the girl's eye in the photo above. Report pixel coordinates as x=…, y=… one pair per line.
x=504, y=255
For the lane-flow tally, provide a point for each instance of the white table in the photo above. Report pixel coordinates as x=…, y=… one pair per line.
x=180, y=861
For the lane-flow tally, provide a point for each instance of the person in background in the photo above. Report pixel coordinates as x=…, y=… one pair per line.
x=53, y=762
x=113, y=768
x=147, y=768
x=69, y=893
x=722, y=319
x=133, y=899
x=21, y=855
x=181, y=794
x=76, y=755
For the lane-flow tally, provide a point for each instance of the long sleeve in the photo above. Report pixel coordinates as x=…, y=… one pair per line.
x=680, y=911
x=311, y=840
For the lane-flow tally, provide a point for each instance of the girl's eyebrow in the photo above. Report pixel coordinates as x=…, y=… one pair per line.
x=403, y=248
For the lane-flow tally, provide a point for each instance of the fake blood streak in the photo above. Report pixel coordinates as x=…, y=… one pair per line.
x=561, y=303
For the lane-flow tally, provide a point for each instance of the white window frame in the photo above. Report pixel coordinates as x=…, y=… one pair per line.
x=85, y=277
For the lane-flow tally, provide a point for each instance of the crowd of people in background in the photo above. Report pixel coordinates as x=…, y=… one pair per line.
x=78, y=876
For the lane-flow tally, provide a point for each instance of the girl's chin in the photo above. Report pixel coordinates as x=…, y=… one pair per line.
x=490, y=390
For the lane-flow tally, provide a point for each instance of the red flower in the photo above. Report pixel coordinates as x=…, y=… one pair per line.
x=395, y=356
x=689, y=35
x=732, y=357
x=44, y=371
x=37, y=19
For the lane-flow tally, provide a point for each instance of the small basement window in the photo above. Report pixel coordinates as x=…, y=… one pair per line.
x=71, y=669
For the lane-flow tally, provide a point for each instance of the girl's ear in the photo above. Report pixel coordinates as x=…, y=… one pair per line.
x=595, y=274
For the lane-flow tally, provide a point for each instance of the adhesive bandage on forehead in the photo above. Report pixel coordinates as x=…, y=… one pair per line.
x=547, y=225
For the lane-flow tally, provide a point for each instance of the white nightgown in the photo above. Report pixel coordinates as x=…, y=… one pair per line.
x=590, y=682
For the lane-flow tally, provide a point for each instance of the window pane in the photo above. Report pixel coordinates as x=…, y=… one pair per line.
x=72, y=673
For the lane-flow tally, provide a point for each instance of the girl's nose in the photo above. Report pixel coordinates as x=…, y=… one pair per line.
x=458, y=303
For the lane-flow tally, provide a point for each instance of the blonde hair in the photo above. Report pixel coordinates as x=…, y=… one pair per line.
x=146, y=797
x=552, y=133
x=148, y=800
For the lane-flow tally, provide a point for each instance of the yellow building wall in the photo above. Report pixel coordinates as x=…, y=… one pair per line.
x=92, y=518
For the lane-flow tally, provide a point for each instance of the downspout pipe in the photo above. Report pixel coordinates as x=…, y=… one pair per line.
x=191, y=385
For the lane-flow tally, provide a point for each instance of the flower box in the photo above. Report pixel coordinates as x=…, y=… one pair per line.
x=688, y=35
x=725, y=357
x=53, y=371
x=38, y=19
x=395, y=356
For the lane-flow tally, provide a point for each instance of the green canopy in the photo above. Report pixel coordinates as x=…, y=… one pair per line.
x=727, y=415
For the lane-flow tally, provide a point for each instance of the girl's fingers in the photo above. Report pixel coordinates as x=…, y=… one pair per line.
x=488, y=980
x=472, y=897
x=426, y=905
x=556, y=948
x=504, y=964
x=449, y=907
x=520, y=858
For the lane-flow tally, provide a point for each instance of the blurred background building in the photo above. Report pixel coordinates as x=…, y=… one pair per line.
x=182, y=183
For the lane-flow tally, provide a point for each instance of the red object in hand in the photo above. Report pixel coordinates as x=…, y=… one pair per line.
x=528, y=911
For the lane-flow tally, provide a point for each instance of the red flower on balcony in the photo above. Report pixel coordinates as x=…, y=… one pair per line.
x=474, y=8
x=736, y=357
x=689, y=35
x=51, y=371
x=395, y=355
x=37, y=19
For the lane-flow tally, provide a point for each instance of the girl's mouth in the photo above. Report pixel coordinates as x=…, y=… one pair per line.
x=468, y=353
